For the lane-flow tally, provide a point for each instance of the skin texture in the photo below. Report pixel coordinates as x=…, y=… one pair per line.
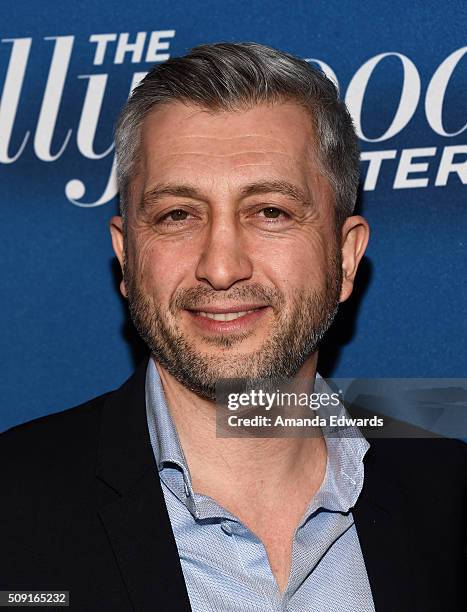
x=229, y=210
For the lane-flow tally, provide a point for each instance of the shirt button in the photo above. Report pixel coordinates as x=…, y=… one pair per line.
x=226, y=528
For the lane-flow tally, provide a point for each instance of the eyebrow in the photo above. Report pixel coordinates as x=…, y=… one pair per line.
x=285, y=188
x=282, y=187
x=155, y=194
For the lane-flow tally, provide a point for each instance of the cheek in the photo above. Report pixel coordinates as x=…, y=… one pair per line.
x=295, y=262
x=162, y=267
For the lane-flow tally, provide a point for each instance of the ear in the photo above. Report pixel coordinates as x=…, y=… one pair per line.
x=118, y=244
x=354, y=239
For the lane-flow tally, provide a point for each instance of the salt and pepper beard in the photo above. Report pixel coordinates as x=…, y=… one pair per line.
x=296, y=333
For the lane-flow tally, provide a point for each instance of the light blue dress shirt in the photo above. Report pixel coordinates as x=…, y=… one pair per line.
x=225, y=566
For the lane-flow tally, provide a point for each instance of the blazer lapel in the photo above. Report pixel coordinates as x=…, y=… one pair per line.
x=137, y=522
x=379, y=520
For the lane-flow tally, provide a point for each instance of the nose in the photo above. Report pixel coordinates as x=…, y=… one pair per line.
x=224, y=260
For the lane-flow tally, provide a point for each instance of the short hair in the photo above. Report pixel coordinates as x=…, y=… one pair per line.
x=238, y=76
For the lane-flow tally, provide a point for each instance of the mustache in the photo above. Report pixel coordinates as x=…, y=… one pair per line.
x=193, y=298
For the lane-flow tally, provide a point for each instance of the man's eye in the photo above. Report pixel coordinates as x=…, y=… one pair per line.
x=175, y=215
x=271, y=212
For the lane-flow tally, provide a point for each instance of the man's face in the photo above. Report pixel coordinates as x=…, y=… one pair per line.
x=232, y=264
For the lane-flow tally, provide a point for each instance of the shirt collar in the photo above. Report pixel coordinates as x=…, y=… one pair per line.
x=166, y=443
x=346, y=449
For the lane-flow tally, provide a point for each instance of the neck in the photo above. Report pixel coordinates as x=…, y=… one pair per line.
x=218, y=465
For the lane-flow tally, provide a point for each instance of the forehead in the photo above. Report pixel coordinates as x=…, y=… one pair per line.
x=265, y=138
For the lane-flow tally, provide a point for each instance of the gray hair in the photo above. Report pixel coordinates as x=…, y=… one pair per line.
x=236, y=76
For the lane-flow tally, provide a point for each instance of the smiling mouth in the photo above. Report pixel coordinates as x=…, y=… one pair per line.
x=228, y=317
x=225, y=316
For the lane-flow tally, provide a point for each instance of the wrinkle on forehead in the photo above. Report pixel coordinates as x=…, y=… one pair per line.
x=204, y=153
x=220, y=147
x=253, y=135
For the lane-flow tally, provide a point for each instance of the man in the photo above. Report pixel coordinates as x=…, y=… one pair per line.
x=238, y=172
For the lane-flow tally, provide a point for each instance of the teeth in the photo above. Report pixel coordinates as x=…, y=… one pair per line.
x=224, y=316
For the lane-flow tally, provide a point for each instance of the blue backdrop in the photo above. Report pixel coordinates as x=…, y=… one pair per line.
x=66, y=69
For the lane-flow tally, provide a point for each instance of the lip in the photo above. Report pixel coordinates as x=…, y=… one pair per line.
x=240, y=324
x=225, y=309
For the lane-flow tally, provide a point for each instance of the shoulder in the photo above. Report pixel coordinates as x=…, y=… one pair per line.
x=51, y=442
x=77, y=416
x=64, y=447
x=423, y=465
x=427, y=453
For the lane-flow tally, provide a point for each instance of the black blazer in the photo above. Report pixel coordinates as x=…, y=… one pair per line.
x=82, y=510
